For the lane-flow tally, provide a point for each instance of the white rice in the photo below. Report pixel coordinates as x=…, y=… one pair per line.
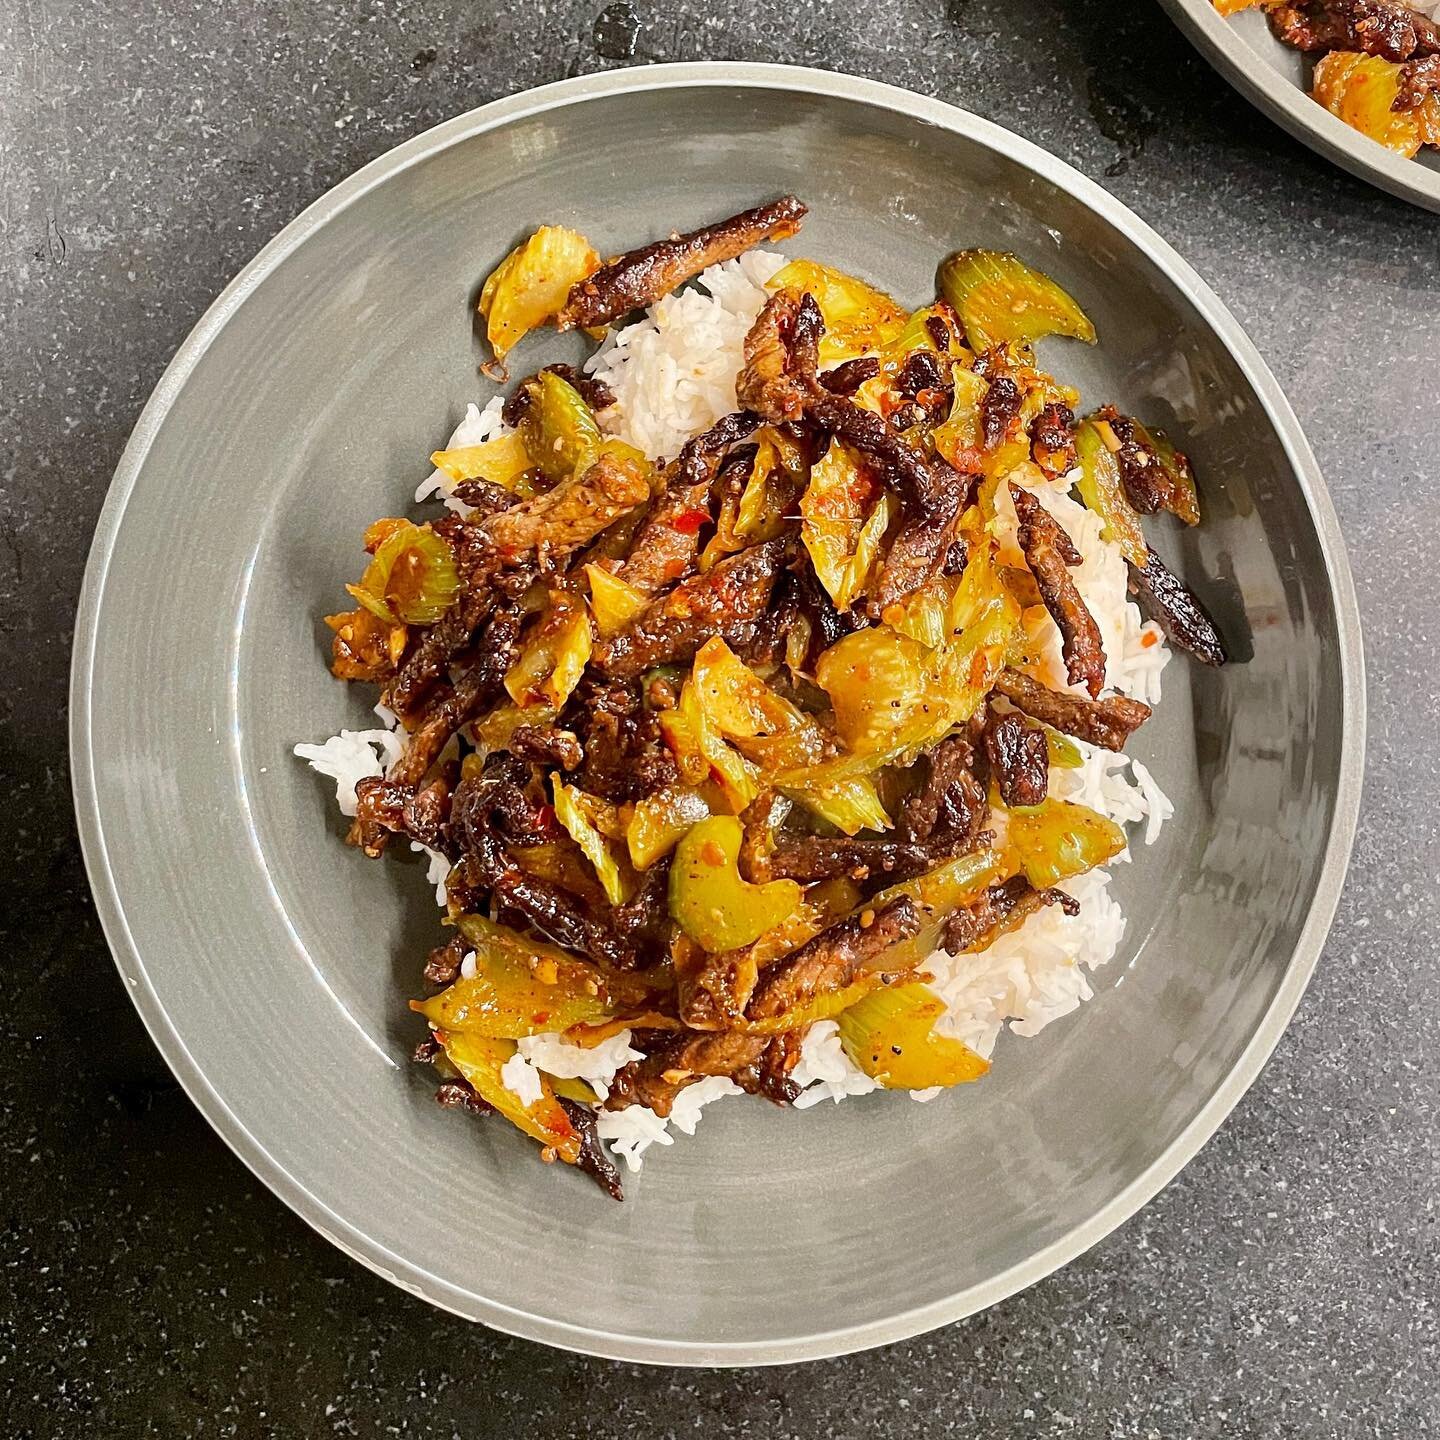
x=673, y=374
x=476, y=428
x=352, y=756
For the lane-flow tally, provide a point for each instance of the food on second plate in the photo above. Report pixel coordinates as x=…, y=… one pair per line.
x=1377, y=65
x=760, y=699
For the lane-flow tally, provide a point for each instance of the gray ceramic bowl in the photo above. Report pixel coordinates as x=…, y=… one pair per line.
x=1277, y=79
x=272, y=964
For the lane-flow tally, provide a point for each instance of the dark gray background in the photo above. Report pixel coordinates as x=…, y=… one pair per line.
x=1286, y=1284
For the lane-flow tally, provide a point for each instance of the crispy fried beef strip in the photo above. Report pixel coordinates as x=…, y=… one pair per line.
x=547, y=745
x=625, y=756
x=998, y=409
x=449, y=708
x=484, y=583
x=668, y=540
x=1108, y=723
x=727, y=601
x=818, y=857
x=1048, y=552
x=1148, y=486
x=457, y=1093
x=759, y=821
x=679, y=1061
x=780, y=1058
x=774, y=380
x=557, y=523
x=1378, y=27
x=847, y=377
x=951, y=799
x=484, y=498
x=1019, y=758
x=383, y=805
x=442, y=965
x=1052, y=439
x=1000, y=909
x=595, y=393
x=594, y=1159
x=486, y=865
x=1167, y=600
x=1418, y=79
x=833, y=958
x=927, y=484
x=712, y=990
x=641, y=277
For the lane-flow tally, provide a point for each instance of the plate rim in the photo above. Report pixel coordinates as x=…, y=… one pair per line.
x=628, y=1346
x=1292, y=109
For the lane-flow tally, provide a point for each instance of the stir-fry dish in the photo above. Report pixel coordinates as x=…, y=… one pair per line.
x=1377, y=62
x=760, y=698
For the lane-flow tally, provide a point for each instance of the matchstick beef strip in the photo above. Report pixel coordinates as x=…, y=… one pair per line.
x=1167, y=600
x=727, y=601
x=641, y=277
x=1049, y=552
x=1002, y=908
x=668, y=540
x=1019, y=759
x=1108, y=723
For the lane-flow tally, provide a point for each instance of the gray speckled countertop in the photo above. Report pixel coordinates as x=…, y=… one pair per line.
x=1286, y=1284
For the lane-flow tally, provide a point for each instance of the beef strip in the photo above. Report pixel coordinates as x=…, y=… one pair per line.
x=759, y=821
x=668, y=540
x=557, y=523
x=833, y=958
x=626, y=757
x=927, y=484
x=727, y=601
x=1418, y=80
x=773, y=381
x=643, y=921
x=1378, y=27
x=593, y=1158
x=919, y=552
x=547, y=745
x=817, y=857
x=442, y=965
x=386, y=806
x=950, y=799
x=712, y=990
x=486, y=865
x=1000, y=909
x=1148, y=485
x=595, y=393
x=999, y=409
x=848, y=377
x=483, y=497
x=1049, y=552
x=641, y=277
x=1108, y=723
x=1167, y=600
x=484, y=583
x=1019, y=758
x=457, y=1093
x=1052, y=439
x=681, y=1060
x=781, y=1056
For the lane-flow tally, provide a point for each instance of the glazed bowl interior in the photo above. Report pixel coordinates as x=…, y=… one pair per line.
x=273, y=964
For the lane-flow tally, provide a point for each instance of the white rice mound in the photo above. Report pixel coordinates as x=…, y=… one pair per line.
x=673, y=374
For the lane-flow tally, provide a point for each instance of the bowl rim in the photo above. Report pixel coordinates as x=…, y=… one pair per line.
x=1292, y=108
x=289, y=1187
